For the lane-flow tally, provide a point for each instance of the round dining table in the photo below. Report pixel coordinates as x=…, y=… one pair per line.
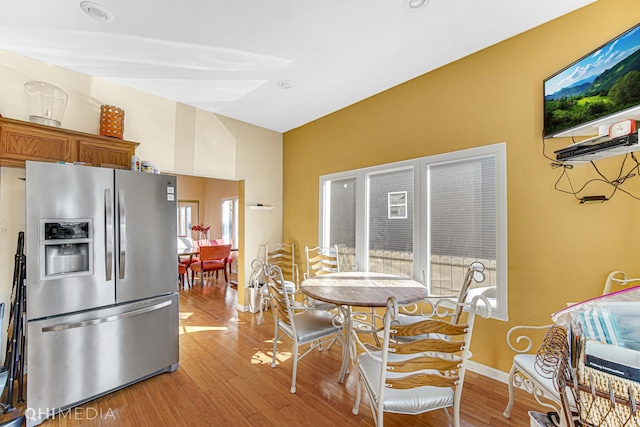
x=360, y=289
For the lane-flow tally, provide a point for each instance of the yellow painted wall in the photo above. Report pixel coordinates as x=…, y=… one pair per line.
x=559, y=251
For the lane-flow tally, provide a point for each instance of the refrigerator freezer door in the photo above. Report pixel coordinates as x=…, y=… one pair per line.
x=75, y=358
x=57, y=193
x=146, y=245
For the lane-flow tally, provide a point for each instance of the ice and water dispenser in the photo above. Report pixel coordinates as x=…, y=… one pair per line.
x=66, y=248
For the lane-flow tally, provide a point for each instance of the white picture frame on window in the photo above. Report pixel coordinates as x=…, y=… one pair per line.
x=397, y=204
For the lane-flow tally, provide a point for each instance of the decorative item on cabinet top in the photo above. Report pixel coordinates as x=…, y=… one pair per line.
x=111, y=121
x=20, y=141
x=46, y=103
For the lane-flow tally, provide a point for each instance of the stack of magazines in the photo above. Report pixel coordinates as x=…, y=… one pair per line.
x=605, y=333
x=611, y=336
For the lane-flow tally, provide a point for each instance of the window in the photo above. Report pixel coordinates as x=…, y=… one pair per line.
x=426, y=218
x=187, y=216
x=397, y=203
x=390, y=240
x=339, y=196
x=230, y=221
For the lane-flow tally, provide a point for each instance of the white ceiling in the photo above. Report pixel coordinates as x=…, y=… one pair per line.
x=228, y=56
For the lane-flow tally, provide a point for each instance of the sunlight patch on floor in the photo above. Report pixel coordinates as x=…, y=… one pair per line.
x=185, y=315
x=262, y=358
x=190, y=329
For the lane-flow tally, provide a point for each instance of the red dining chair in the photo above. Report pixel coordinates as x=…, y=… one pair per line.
x=217, y=242
x=212, y=258
x=182, y=274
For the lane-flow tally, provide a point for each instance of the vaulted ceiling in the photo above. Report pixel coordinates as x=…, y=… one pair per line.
x=277, y=64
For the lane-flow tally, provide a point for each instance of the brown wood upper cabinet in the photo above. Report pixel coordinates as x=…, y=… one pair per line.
x=20, y=141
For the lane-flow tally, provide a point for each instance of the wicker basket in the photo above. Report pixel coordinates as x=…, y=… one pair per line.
x=111, y=121
x=604, y=399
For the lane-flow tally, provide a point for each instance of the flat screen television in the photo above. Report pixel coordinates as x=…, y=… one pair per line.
x=597, y=90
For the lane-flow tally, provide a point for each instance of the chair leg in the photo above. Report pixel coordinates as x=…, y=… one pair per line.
x=456, y=411
x=295, y=367
x=275, y=345
x=507, y=411
x=226, y=278
x=356, y=405
x=375, y=334
x=264, y=305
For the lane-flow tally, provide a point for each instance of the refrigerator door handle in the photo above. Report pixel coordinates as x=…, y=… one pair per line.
x=91, y=322
x=123, y=233
x=108, y=215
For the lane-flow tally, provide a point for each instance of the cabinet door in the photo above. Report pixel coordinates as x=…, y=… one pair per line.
x=115, y=153
x=18, y=144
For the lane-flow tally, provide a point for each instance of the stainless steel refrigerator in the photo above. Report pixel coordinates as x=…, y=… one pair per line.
x=102, y=288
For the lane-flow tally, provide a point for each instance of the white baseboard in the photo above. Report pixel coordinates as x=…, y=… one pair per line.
x=488, y=371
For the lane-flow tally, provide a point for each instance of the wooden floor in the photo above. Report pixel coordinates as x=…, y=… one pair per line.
x=225, y=379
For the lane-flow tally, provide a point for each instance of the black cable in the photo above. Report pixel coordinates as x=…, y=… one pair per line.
x=615, y=183
x=565, y=174
x=554, y=163
x=574, y=192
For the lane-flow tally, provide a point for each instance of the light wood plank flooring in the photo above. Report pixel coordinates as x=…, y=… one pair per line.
x=225, y=379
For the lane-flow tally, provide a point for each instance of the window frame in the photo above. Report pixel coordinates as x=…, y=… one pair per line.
x=421, y=244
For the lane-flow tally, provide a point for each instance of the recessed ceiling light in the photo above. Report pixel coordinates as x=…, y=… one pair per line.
x=97, y=12
x=415, y=4
x=285, y=84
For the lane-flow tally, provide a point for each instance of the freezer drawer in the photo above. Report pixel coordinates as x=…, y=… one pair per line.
x=75, y=358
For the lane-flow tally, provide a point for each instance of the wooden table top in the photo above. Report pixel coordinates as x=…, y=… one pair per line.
x=363, y=289
x=188, y=251
x=195, y=251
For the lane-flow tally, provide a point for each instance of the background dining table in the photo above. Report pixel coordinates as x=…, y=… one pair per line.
x=188, y=252
x=361, y=289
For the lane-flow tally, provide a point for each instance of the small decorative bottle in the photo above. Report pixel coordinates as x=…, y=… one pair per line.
x=135, y=163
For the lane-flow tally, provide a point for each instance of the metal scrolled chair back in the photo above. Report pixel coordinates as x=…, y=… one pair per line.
x=431, y=352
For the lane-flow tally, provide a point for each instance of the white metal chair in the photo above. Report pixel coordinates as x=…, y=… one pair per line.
x=283, y=256
x=318, y=261
x=524, y=373
x=321, y=260
x=415, y=312
x=304, y=325
x=422, y=374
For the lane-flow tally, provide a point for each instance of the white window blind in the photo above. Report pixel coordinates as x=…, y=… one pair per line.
x=463, y=208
